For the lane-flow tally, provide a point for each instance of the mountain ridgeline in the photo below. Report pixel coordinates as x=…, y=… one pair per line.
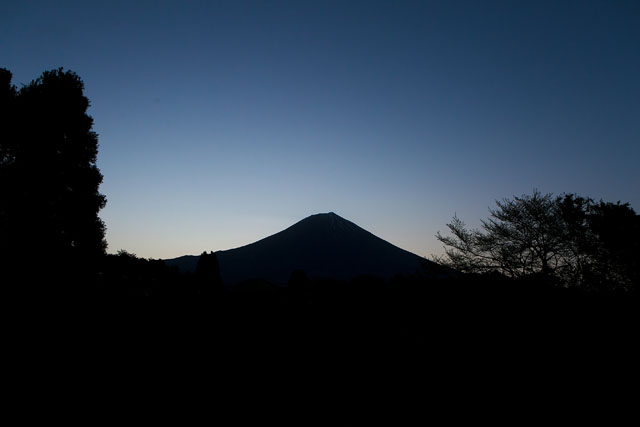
x=324, y=246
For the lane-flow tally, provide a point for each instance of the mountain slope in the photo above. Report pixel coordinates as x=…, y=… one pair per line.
x=322, y=245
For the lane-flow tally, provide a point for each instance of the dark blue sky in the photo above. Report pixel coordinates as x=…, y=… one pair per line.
x=224, y=122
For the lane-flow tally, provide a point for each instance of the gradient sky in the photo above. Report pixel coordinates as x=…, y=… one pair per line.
x=224, y=122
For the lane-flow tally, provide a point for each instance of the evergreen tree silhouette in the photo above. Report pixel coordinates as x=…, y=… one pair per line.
x=49, y=180
x=614, y=246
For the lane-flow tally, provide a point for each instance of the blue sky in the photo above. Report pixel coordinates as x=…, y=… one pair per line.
x=223, y=122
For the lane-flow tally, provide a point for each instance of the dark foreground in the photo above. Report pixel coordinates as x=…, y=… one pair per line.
x=480, y=347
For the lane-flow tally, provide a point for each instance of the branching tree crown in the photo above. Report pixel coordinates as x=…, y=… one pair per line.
x=568, y=238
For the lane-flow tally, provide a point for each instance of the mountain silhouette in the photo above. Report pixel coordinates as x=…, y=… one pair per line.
x=323, y=246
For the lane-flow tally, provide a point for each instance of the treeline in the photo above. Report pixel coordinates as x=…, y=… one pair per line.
x=445, y=318
x=126, y=275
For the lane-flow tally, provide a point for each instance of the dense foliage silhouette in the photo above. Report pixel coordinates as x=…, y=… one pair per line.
x=49, y=198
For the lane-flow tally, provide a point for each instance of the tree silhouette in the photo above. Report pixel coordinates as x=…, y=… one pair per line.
x=567, y=239
x=208, y=274
x=520, y=237
x=613, y=244
x=49, y=178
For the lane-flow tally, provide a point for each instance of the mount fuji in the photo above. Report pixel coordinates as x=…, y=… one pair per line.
x=323, y=246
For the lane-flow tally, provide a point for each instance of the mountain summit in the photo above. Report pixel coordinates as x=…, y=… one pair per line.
x=323, y=246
